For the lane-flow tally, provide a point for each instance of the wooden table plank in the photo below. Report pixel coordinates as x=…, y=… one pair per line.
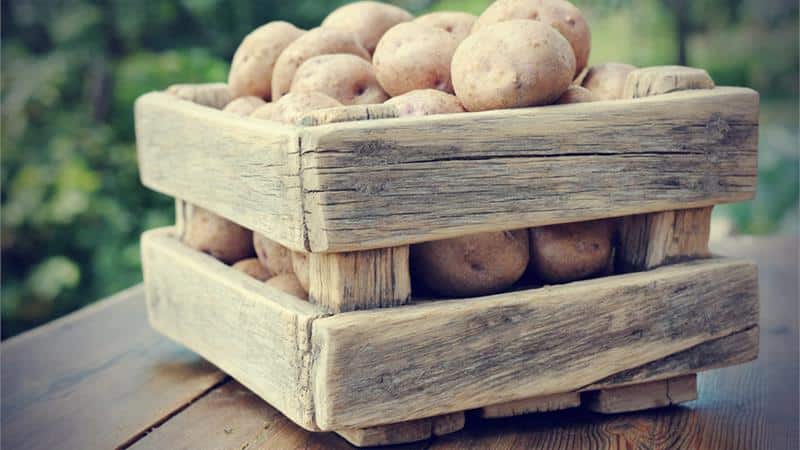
x=95, y=379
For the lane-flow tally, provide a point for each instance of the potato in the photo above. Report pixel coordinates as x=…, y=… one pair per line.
x=292, y=107
x=346, y=78
x=254, y=60
x=265, y=112
x=512, y=64
x=569, y=252
x=559, y=14
x=254, y=268
x=217, y=236
x=425, y=102
x=458, y=24
x=288, y=283
x=367, y=20
x=412, y=56
x=476, y=264
x=244, y=106
x=272, y=255
x=607, y=81
x=300, y=267
x=575, y=94
x=319, y=41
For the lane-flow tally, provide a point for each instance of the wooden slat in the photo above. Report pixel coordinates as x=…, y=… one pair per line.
x=654, y=394
x=348, y=113
x=240, y=168
x=360, y=280
x=95, y=379
x=404, y=432
x=384, y=183
x=450, y=356
x=552, y=402
x=257, y=334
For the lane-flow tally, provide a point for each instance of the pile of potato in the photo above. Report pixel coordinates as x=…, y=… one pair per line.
x=518, y=53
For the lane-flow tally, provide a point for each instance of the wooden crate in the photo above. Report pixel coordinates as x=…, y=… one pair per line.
x=354, y=188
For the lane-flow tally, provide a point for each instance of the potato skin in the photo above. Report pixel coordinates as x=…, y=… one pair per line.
x=512, y=64
x=273, y=256
x=254, y=268
x=319, y=41
x=458, y=24
x=244, y=106
x=559, y=14
x=569, y=252
x=607, y=81
x=217, y=236
x=426, y=102
x=293, y=106
x=288, y=283
x=412, y=56
x=300, y=267
x=575, y=94
x=472, y=265
x=254, y=60
x=346, y=78
x=367, y=20
x=265, y=112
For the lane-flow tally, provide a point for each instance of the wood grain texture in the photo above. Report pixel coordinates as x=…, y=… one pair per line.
x=360, y=280
x=256, y=334
x=213, y=95
x=657, y=80
x=384, y=183
x=404, y=432
x=98, y=378
x=243, y=169
x=637, y=397
x=553, y=402
x=348, y=113
x=455, y=355
x=651, y=240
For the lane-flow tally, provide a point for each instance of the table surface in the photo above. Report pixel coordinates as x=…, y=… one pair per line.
x=102, y=378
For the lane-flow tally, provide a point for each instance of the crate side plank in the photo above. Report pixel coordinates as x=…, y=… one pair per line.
x=419, y=361
x=389, y=182
x=256, y=334
x=243, y=169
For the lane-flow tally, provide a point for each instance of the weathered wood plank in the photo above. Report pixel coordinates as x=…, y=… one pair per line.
x=348, y=113
x=256, y=334
x=360, y=280
x=654, y=394
x=552, y=402
x=455, y=355
x=374, y=184
x=243, y=169
x=98, y=378
x=650, y=240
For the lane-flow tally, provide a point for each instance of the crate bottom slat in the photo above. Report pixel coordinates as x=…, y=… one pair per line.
x=648, y=326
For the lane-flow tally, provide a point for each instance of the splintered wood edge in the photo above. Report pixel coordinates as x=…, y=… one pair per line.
x=426, y=370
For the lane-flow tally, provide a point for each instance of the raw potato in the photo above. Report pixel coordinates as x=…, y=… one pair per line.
x=575, y=94
x=289, y=284
x=265, y=111
x=275, y=257
x=607, y=81
x=425, y=102
x=244, y=106
x=346, y=78
x=300, y=267
x=217, y=236
x=476, y=264
x=254, y=60
x=367, y=20
x=512, y=64
x=412, y=56
x=559, y=14
x=458, y=24
x=254, y=268
x=292, y=107
x=569, y=252
x=319, y=41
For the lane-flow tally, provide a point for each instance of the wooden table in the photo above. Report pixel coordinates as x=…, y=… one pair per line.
x=101, y=378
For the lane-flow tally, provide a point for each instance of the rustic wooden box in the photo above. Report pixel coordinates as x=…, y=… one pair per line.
x=355, y=194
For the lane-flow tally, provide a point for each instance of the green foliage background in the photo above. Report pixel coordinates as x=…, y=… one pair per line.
x=72, y=204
